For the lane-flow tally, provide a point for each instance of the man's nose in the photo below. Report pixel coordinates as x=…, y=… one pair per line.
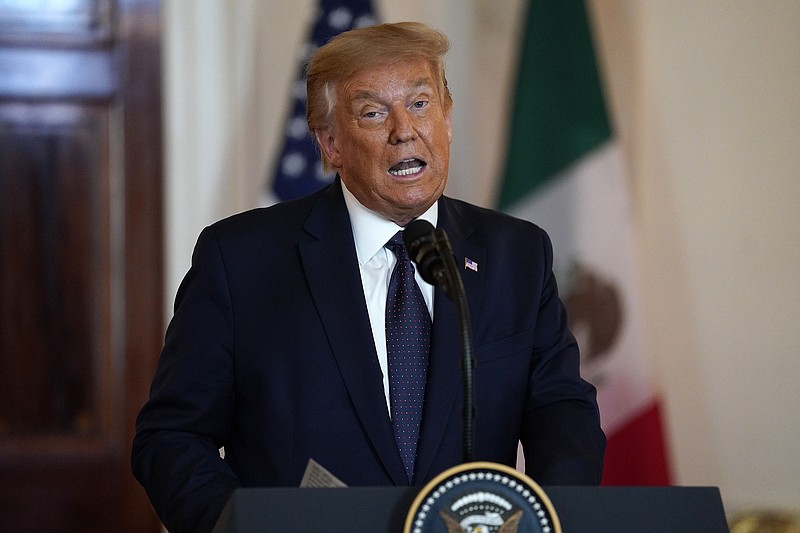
x=401, y=126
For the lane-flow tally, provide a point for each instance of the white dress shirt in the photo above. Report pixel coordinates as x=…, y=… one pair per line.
x=375, y=263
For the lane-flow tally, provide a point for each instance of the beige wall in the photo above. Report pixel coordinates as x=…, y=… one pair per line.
x=707, y=99
x=705, y=96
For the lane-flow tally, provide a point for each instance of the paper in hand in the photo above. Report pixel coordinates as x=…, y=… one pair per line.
x=316, y=476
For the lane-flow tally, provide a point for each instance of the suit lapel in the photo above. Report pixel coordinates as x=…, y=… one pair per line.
x=331, y=268
x=443, y=389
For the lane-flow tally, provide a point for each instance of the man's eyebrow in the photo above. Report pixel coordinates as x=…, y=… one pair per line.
x=365, y=95
x=424, y=80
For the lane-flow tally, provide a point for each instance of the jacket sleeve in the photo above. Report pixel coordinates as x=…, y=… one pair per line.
x=181, y=428
x=561, y=434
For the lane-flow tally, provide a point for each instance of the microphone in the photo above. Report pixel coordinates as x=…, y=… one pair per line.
x=422, y=249
x=430, y=250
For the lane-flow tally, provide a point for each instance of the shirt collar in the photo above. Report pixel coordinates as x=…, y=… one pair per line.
x=370, y=230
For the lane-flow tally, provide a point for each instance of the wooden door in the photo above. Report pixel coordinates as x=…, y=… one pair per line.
x=80, y=259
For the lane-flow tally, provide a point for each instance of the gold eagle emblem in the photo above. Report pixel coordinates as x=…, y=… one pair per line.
x=510, y=525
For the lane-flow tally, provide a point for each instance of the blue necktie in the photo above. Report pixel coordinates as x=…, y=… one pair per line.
x=408, y=339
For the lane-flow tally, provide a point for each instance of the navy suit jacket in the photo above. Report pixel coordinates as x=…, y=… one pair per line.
x=270, y=354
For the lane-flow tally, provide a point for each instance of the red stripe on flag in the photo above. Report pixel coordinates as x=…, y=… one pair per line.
x=636, y=454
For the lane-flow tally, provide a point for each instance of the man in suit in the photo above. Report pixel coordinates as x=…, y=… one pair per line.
x=278, y=347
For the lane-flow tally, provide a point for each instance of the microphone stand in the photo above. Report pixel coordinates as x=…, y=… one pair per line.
x=454, y=287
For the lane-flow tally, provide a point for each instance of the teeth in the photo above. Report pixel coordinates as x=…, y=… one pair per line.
x=406, y=172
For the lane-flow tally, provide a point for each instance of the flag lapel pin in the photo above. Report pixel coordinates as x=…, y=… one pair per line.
x=470, y=264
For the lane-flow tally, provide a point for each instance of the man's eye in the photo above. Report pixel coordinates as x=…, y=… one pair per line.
x=419, y=104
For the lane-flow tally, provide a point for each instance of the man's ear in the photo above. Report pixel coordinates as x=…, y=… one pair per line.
x=327, y=143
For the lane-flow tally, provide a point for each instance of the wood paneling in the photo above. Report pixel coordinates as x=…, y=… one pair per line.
x=57, y=23
x=80, y=259
x=55, y=243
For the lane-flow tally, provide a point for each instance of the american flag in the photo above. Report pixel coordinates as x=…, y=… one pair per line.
x=298, y=170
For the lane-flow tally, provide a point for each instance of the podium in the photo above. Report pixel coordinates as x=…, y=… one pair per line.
x=384, y=509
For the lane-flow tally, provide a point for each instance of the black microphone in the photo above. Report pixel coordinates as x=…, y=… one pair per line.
x=419, y=240
x=430, y=250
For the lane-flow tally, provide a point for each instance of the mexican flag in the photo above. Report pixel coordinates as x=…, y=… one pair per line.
x=564, y=172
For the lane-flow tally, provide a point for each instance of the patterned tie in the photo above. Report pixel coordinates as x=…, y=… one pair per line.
x=408, y=338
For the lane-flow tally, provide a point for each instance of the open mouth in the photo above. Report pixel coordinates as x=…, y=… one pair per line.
x=407, y=167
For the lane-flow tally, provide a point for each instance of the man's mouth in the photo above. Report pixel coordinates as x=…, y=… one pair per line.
x=407, y=167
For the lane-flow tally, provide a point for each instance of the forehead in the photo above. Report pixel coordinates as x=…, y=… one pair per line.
x=389, y=81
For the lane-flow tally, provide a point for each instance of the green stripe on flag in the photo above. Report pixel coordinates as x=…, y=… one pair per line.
x=559, y=112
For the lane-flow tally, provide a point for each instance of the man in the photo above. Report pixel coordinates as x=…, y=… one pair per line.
x=280, y=350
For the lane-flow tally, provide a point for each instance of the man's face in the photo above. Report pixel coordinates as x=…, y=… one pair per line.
x=390, y=139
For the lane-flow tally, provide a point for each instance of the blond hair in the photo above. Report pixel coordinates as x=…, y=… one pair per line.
x=353, y=51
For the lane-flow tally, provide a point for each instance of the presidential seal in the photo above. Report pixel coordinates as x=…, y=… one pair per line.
x=482, y=498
